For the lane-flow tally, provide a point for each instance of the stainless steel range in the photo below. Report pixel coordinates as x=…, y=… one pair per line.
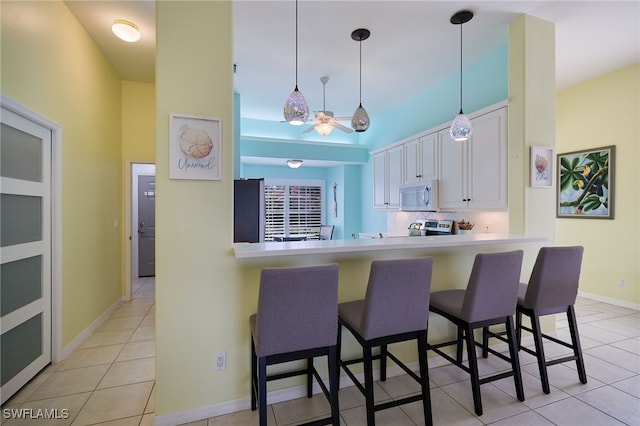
x=438, y=227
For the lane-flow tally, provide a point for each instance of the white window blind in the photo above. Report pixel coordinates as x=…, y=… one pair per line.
x=293, y=207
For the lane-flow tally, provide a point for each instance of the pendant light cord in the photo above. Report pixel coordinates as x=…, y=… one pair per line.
x=360, y=71
x=296, y=44
x=460, y=68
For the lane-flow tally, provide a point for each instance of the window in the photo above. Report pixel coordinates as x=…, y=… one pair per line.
x=293, y=207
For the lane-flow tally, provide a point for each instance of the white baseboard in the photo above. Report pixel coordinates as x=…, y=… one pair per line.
x=610, y=300
x=273, y=397
x=87, y=332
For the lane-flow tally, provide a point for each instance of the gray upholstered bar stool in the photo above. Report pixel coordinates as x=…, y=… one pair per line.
x=552, y=289
x=490, y=298
x=393, y=310
x=297, y=318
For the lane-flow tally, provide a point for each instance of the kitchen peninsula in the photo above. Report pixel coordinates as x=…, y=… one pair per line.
x=297, y=248
x=453, y=257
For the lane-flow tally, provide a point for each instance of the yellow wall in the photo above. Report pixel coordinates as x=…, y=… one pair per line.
x=50, y=65
x=600, y=112
x=138, y=122
x=531, y=122
x=138, y=146
x=199, y=292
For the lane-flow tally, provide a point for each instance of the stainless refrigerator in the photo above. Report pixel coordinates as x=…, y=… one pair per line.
x=248, y=210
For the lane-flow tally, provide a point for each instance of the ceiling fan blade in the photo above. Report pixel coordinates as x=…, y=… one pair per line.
x=345, y=118
x=341, y=127
x=308, y=129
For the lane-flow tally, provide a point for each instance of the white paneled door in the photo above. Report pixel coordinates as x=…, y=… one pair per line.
x=25, y=251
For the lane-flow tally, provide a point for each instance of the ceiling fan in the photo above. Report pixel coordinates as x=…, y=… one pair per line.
x=325, y=121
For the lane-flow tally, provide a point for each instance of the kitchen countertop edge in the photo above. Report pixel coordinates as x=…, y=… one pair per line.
x=295, y=248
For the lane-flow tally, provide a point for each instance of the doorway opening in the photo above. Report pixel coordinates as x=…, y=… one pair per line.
x=142, y=236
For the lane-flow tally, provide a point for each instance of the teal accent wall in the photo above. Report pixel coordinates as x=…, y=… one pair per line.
x=285, y=149
x=277, y=130
x=250, y=171
x=484, y=84
x=237, y=166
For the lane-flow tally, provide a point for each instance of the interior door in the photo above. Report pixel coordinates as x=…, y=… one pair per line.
x=146, y=226
x=25, y=251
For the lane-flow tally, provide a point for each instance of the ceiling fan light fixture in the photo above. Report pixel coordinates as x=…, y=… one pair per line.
x=360, y=120
x=323, y=129
x=294, y=164
x=461, y=127
x=296, y=109
x=126, y=30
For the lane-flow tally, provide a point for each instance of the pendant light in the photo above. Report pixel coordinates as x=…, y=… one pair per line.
x=296, y=110
x=461, y=128
x=360, y=120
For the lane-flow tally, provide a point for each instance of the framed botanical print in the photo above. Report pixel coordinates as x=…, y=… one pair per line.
x=586, y=183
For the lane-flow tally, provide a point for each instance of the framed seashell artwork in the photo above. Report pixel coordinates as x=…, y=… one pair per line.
x=541, y=167
x=195, y=147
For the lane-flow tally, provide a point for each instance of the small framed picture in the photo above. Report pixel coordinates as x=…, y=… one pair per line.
x=195, y=147
x=541, y=167
x=586, y=183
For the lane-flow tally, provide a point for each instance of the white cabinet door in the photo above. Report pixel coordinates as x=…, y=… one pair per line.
x=453, y=173
x=487, y=162
x=387, y=177
x=421, y=159
x=394, y=176
x=380, y=191
x=412, y=161
x=473, y=173
x=429, y=157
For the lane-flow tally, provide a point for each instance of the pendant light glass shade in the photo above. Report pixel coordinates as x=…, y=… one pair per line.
x=461, y=128
x=296, y=109
x=360, y=119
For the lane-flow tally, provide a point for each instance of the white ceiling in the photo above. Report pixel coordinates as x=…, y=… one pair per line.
x=412, y=45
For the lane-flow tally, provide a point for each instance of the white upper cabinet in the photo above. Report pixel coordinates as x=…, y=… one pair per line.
x=473, y=173
x=387, y=177
x=421, y=159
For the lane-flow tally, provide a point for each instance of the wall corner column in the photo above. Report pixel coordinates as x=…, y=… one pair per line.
x=531, y=122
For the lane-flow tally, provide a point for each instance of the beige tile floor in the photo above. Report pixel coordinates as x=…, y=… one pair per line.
x=110, y=380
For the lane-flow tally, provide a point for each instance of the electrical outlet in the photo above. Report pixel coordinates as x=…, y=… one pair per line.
x=221, y=360
x=623, y=282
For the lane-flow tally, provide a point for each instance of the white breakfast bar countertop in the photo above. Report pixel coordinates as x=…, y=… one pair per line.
x=295, y=248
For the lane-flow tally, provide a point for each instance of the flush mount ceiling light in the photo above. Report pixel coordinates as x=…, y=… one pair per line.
x=125, y=30
x=296, y=110
x=294, y=164
x=360, y=120
x=461, y=128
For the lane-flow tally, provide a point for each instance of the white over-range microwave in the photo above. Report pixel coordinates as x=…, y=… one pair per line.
x=419, y=197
